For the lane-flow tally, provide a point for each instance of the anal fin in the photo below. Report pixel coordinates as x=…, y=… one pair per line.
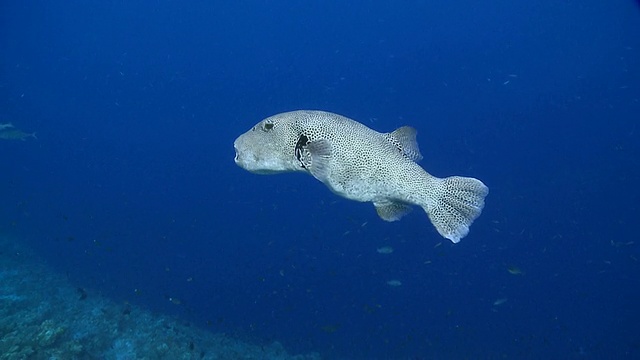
x=392, y=211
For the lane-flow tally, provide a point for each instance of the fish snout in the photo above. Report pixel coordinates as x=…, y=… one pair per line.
x=242, y=158
x=237, y=158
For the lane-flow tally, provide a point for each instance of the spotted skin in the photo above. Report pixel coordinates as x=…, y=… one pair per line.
x=361, y=164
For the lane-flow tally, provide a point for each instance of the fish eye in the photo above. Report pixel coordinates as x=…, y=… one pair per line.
x=267, y=126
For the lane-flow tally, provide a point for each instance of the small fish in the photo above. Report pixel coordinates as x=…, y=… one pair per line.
x=384, y=250
x=394, y=283
x=6, y=126
x=175, y=301
x=500, y=301
x=620, y=243
x=15, y=134
x=359, y=163
x=514, y=270
x=330, y=328
x=82, y=293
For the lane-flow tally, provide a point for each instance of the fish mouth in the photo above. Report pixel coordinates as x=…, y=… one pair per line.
x=236, y=158
x=251, y=162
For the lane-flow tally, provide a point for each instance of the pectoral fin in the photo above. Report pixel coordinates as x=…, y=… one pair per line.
x=319, y=155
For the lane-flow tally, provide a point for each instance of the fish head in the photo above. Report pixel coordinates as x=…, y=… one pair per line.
x=268, y=147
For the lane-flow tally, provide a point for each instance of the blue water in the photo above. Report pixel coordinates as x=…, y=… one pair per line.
x=130, y=188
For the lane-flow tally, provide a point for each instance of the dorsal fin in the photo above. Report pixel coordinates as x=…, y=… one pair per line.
x=404, y=138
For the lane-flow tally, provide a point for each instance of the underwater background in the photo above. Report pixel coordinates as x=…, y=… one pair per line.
x=128, y=193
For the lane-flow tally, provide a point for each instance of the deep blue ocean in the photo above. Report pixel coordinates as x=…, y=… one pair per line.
x=130, y=188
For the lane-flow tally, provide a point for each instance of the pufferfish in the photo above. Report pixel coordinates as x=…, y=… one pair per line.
x=361, y=164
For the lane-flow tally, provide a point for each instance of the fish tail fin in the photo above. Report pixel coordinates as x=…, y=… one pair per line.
x=454, y=204
x=33, y=135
